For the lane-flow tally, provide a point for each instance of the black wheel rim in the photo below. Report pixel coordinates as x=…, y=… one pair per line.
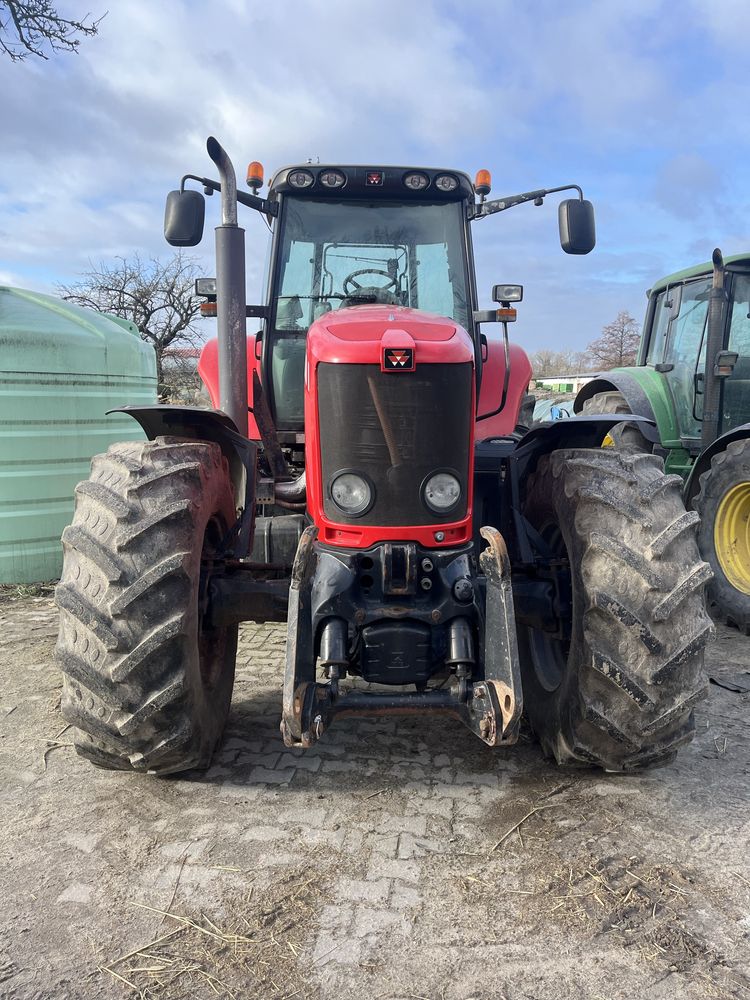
x=550, y=652
x=211, y=641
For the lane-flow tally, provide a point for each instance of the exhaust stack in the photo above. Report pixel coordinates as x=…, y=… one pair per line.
x=230, y=294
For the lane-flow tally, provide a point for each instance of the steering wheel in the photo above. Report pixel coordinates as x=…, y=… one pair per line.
x=357, y=287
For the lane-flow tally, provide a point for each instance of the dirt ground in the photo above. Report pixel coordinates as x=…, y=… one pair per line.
x=397, y=859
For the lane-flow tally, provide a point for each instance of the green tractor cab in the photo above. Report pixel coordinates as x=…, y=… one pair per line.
x=693, y=380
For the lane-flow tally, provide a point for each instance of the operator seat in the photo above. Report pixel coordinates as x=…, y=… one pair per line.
x=370, y=295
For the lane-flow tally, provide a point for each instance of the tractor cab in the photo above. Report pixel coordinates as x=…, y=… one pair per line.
x=392, y=237
x=350, y=236
x=675, y=344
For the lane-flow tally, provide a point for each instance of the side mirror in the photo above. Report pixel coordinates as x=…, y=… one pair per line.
x=183, y=218
x=577, y=228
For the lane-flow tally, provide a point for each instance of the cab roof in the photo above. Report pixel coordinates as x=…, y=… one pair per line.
x=738, y=259
x=361, y=181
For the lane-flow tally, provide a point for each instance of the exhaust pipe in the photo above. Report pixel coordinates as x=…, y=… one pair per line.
x=231, y=303
x=293, y=492
x=714, y=343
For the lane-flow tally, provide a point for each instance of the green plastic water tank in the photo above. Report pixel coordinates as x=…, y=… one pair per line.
x=61, y=369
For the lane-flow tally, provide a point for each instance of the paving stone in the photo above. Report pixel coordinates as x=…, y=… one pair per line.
x=335, y=948
x=403, y=824
x=374, y=891
x=404, y=897
x=370, y=921
x=336, y=916
x=265, y=833
x=383, y=844
x=385, y=868
x=418, y=847
x=342, y=766
x=330, y=838
x=264, y=774
x=307, y=763
x=305, y=817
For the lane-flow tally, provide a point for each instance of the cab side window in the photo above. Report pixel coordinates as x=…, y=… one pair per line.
x=684, y=342
x=735, y=408
x=658, y=329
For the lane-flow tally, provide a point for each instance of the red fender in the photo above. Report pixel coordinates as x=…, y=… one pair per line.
x=490, y=394
x=208, y=369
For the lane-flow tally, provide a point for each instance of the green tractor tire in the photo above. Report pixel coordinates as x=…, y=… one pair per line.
x=625, y=436
x=723, y=502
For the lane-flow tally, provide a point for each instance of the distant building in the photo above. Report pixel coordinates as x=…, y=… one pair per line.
x=563, y=383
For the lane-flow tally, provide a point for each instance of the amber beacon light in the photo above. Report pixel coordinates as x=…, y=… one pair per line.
x=483, y=183
x=255, y=175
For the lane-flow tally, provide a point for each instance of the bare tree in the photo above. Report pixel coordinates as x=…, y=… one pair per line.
x=157, y=296
x=26, y=26
x=618, y=345
x=546, y=363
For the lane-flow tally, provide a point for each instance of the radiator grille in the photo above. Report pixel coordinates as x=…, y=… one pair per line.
x=397, y=429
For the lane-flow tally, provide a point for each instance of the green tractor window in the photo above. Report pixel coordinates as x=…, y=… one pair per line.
x=684, y=344
x=736, y=403
x=659, y=328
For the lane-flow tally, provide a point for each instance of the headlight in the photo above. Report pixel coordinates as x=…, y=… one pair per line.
x=332, y=178
x=441, y=492
x=301, y=178
x=416, y=181
x=446, y=182
x=351, y=493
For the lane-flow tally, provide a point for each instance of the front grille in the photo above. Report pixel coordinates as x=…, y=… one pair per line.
x=397, y=429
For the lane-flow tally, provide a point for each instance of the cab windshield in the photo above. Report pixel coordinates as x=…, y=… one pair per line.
x=334, y=255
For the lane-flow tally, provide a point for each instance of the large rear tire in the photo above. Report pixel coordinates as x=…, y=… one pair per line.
x=616, y=690
x=724, y=534
x=625, y=436
x=146, y=684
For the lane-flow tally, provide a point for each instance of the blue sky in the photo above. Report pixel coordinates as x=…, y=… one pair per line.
x=641, y=103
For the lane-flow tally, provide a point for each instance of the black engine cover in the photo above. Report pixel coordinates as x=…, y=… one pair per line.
x=398, y=652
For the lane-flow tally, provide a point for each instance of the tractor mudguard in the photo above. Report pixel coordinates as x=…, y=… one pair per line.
x=196, y=424
x=703, y=463
x=582, y=431
x=505, y=420
x=622, y=381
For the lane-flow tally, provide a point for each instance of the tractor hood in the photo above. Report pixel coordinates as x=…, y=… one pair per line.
x=393, y=337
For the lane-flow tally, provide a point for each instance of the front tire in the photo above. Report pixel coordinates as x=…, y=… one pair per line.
x=146, y=684
x=617, y=688
x=724, y=534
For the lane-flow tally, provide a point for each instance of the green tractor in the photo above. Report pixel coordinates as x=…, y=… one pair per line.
x=693, y=379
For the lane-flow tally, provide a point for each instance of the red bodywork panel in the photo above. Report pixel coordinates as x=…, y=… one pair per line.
x=490, y=394
x=208, y=369
x=378, y=335
x=493, y=374
x=364, y=335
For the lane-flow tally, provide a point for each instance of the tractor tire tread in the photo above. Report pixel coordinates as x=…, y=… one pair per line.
x=128, y=640
x=626, y=436
x=631, y=681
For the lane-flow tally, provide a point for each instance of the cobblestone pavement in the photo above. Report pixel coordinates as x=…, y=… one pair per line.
x=399, y=858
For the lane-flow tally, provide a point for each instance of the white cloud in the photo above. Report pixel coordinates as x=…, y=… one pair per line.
x=542, y=94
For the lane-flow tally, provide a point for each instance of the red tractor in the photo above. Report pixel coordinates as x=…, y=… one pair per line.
x=385, y=501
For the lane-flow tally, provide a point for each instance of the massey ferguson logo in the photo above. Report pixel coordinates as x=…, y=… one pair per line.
x=398, y=359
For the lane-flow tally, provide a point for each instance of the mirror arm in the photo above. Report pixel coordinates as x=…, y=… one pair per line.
x=249, y=200
x=501, y=204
